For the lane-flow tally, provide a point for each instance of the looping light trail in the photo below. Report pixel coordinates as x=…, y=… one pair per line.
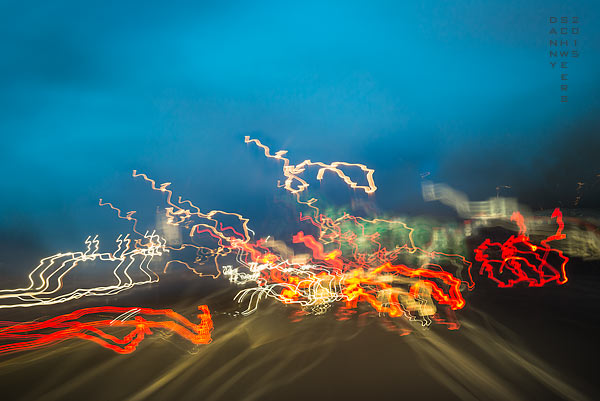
x=520, y=260
x=347, y=260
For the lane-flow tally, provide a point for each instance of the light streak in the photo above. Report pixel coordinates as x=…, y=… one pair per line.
x=178, y=215
x=520, y=260
x=351, y=261
x=345, y=273
x=125, y=315
x=128, y=216
x=47, y=279
x=489, y=209
x=292, y=172
x=75, y=325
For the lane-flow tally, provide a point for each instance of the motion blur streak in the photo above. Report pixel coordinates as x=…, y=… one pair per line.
x=254, y=356
x=492, y=208
x=74, y=325
x=352, y=261
x=46, y=280
x=493, y=366
x=514, y=254
x=292, y=172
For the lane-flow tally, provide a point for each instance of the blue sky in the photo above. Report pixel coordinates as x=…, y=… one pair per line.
x=462, y=89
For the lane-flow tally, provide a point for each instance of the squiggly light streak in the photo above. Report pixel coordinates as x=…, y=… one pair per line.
x=514, y=257
x=292, y=172
x=34, y=335
x=46, y=280
x=340, y=269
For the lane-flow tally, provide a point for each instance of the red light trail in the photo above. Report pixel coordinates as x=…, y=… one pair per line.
x=522, y=261
x=74, y=325
x=352, y=261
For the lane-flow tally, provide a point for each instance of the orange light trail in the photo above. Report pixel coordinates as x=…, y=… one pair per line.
x=350, y=262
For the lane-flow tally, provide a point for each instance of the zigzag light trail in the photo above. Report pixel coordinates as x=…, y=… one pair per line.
x=73, y=325
x=47, y=279
x=349, y=262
